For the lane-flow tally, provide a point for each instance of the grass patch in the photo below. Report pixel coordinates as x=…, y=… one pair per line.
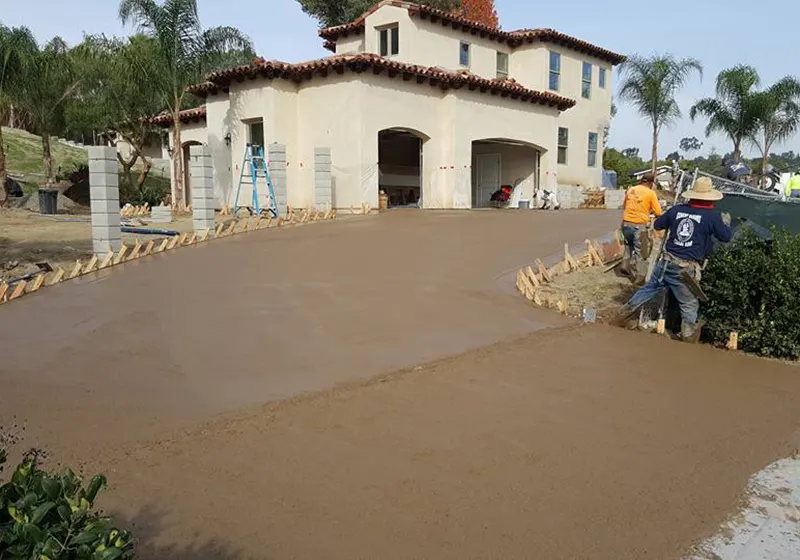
x=24, y=155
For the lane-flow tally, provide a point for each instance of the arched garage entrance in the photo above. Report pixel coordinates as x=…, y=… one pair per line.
x=498, y=162
x=400, y=166
x=187, y=181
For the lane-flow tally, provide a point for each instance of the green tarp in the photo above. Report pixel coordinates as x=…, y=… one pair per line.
x=766, y=213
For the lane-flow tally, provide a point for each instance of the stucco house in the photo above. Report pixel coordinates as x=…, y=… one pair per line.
x=418, y=102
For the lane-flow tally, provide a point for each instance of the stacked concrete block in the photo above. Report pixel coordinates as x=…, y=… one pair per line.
x=323, y=184
x=277, y=171
x=570, y=197
x=104, y=197
x=201, y=172
x=614, y=198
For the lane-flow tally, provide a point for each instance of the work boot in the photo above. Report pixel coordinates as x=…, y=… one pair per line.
x=625, y=267
x=627, y=317
x=691, y=332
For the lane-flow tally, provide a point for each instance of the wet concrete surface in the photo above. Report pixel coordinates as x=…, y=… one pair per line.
x=171, y=340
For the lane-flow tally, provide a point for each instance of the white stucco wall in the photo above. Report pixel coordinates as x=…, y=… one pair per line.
x=350, y=45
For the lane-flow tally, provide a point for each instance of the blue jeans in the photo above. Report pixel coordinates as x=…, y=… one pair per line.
x=633, y=241
x=667, y=274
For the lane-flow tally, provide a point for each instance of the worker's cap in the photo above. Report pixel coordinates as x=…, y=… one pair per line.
x=649, y=177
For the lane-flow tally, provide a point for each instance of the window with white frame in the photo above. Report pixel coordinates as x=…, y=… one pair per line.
x=591, y=160
x=463, y=54
x=602, y=78
x=586, y=82
x=502, y=65
x=555, y=71
x=255, y=131
x=389, y=40
x=563, y=145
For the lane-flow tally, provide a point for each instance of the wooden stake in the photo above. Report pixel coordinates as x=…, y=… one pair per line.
x=182, y=238
x=661, y=326
x=537, y=299
x=258, y=223
x=121, y=254
x=218, y=231
x=135, y=252
x=594, y=258
x=3, y=290
x=231, y=228
x=107, y=259
x=245, y=225
x=205, y=235
x=173, y=242
x=149, y=248
x=58, y=277
x=76, y=270
x=37, y=283
x=569, y=262
x=532, y=277
x=562, y=307
x=163, y=246
x=520, y=283
x=192, y=239
x=281, y=220
x=543, y=271
x=18, y=290
x=268, y=223
x=733, y=341
x=92, y=265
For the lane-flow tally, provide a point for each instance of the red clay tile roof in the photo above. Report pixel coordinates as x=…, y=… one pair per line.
x=359, y=63
x=186, y=116
x=512, y=38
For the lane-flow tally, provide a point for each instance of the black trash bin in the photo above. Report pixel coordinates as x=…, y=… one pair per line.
x=48, y=201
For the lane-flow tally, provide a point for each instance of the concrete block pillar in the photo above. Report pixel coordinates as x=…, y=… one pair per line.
x=276, y=156
x=104, y=196
x=323, y=185
x=201, y=173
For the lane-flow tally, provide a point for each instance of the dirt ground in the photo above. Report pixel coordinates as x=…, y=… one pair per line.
x=27, y=238
x=590, y=288
x=246, y=400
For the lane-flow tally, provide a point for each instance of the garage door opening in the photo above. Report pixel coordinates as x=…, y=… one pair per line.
x=400, y=166
x=498, y=163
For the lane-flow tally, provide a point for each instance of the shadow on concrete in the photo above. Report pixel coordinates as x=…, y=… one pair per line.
x=147, y=527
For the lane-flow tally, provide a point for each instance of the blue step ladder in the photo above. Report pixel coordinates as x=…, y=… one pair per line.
x=254, y=169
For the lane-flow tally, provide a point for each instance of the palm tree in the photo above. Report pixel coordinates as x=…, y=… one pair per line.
x=187, y=52
x=650, y=85
x=733, y=111
x=14, y=44
x=48, y=83
x=778, y=109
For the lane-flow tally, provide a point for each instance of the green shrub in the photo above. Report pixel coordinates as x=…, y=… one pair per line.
x=754, y=289
x=152, y=192
x=49, y=517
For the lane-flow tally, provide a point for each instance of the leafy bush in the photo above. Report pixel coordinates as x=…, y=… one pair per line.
x=152, y=192
x=49, y=517
x=754, y=289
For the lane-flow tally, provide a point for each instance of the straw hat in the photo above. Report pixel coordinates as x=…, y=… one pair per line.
x=703, y=189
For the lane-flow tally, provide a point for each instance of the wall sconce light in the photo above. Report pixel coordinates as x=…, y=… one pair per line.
x=228, y=139
x=170, y=151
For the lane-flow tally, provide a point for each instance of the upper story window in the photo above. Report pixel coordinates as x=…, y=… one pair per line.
x=502, y=65
x=586, y=82
x=389, y=40
x=463, y=54
x=563, y=145
x=602, y=78
x=255, y=131
x=592, y=157
x=555, y=71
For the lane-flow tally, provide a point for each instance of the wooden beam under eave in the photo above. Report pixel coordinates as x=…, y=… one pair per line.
x=377, y=70
x=407, y=76
x=420, y=79
x=392, y=72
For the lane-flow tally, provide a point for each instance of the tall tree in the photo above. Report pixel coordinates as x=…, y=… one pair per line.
x=650, y=85
x=15, y=44
x=338, y=12
x=186, y=52
x=481, y=11
x=733, y=110
x=49, y=81
x=115, y=97
x=778, y=109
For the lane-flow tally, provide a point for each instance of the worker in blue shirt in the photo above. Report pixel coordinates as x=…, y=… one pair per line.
x=691, y=229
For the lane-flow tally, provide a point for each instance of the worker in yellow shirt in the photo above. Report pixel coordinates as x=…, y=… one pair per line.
x=640, y=202
x=792, y=189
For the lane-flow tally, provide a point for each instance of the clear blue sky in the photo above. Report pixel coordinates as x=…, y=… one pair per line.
x=710, y=30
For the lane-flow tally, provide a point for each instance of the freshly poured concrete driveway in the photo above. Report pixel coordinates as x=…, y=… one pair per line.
x=170, y=340
x=573, y=442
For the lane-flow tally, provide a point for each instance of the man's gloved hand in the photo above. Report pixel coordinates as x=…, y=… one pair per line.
x=726, y=219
